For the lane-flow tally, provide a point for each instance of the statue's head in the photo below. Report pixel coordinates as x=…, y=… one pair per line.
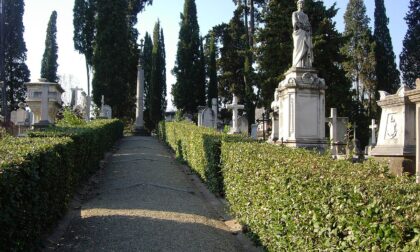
x=300, y=4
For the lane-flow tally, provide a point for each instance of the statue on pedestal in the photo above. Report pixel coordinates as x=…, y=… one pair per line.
x=302, y=38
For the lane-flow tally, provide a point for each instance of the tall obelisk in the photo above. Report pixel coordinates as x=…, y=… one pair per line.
x=139, y=127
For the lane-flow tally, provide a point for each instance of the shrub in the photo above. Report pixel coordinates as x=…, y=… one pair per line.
x=295, y=200
x=38, y=176
x=199, y=147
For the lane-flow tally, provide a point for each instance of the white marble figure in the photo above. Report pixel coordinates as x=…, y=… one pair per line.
x=302, y=38
x=235, y=107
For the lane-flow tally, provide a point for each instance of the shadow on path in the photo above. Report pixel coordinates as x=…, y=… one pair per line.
x=145, y=202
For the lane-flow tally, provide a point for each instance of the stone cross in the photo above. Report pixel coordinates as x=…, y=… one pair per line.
x=235, y=107
x=44, y=103
x=332, y=122
x=373, y=127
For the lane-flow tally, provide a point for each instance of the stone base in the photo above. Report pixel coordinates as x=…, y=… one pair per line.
x=42, y=124
x=141, y=131
x=399, y=164
x=310, y=144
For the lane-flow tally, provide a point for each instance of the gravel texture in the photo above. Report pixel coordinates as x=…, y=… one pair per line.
x=144, y=200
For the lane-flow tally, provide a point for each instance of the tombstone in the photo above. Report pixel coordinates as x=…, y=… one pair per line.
x=206, y=118
x=106, y=110
x=396, y=139
x=243, y=125
x=300, y=98
x=235, y=107
x=254, y=128
x=414, y=97
x=338, y=134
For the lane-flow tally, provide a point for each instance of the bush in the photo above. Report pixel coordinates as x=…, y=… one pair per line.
x=38, y=176
x=199, y=147
x=296, y=200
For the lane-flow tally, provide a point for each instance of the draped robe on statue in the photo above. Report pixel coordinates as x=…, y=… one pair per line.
x=302, y=40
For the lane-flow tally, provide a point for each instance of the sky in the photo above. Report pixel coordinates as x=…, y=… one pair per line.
x=210, y=13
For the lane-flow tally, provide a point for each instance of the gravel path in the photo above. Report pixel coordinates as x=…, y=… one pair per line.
x=145, y=201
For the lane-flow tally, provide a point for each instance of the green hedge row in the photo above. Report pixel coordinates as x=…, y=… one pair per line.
x=200, y=148
x=297, y=200
x=38, y=175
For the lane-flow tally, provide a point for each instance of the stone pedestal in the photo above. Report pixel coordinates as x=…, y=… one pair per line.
x=396, y=139
x=301, y=106
x=414, y=97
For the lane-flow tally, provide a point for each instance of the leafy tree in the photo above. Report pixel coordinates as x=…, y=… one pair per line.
x=16, y=72
x=212, y=71
x=388, y=77
x=187, y=63
x=360, y=64
x=112, y=50
x=84, y=32
x=49, y=63
x=158, y=78
x=410, y=56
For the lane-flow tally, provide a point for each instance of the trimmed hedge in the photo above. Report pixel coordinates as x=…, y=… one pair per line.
x=38, y=176
x=199, y=147
x=297, y=200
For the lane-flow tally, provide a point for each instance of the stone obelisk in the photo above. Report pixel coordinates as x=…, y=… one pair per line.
x=139, y=127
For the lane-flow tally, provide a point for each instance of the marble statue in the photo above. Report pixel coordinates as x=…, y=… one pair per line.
x=302, y=38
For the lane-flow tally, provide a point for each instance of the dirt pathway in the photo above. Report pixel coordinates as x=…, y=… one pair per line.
x=146, y=201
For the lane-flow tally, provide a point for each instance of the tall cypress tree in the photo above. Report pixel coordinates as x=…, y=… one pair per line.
x=388, y=77
x=360, y=65
x=112, y=50
x=49, y=63
x=16, y=72
x=158, y=78
x=200, y=93
x=147, y=66
x=162, y=71
x=410, y=56
x=212, y=71
x=84, y=32
x=187, y=63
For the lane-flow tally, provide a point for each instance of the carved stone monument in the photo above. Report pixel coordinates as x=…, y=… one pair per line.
x=207, y=117
x=396, y=138
x=44, y=99
x=235, y=107
x=338, y=131
x=139, y=127
x=300, y=97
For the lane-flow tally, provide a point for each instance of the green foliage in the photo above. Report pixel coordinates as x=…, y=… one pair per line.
x=388, y=77
x=296, y=200
x=39, y=174
x=199, y=147
x=16, y=71
x=212, y=71
x=186, y=91
x=157, y=88
x=49, y=63
x=112, y=50
x=70, y=119
x=410, y=56
x=84, y=32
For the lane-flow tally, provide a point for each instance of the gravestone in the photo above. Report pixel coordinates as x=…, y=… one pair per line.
x=206, y=118
x=338, y=134
x=106, y=110
x=235, y=107
x=243, y=125
x=396, y=138
x=254, y=128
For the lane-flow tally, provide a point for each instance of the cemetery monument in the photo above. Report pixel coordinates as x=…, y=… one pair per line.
x=139, y=126
x=44, y=99
x=414, y=97
x=235, y=107
x=300, y=97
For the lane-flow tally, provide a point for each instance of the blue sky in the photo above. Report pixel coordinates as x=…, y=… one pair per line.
x=210, y=13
